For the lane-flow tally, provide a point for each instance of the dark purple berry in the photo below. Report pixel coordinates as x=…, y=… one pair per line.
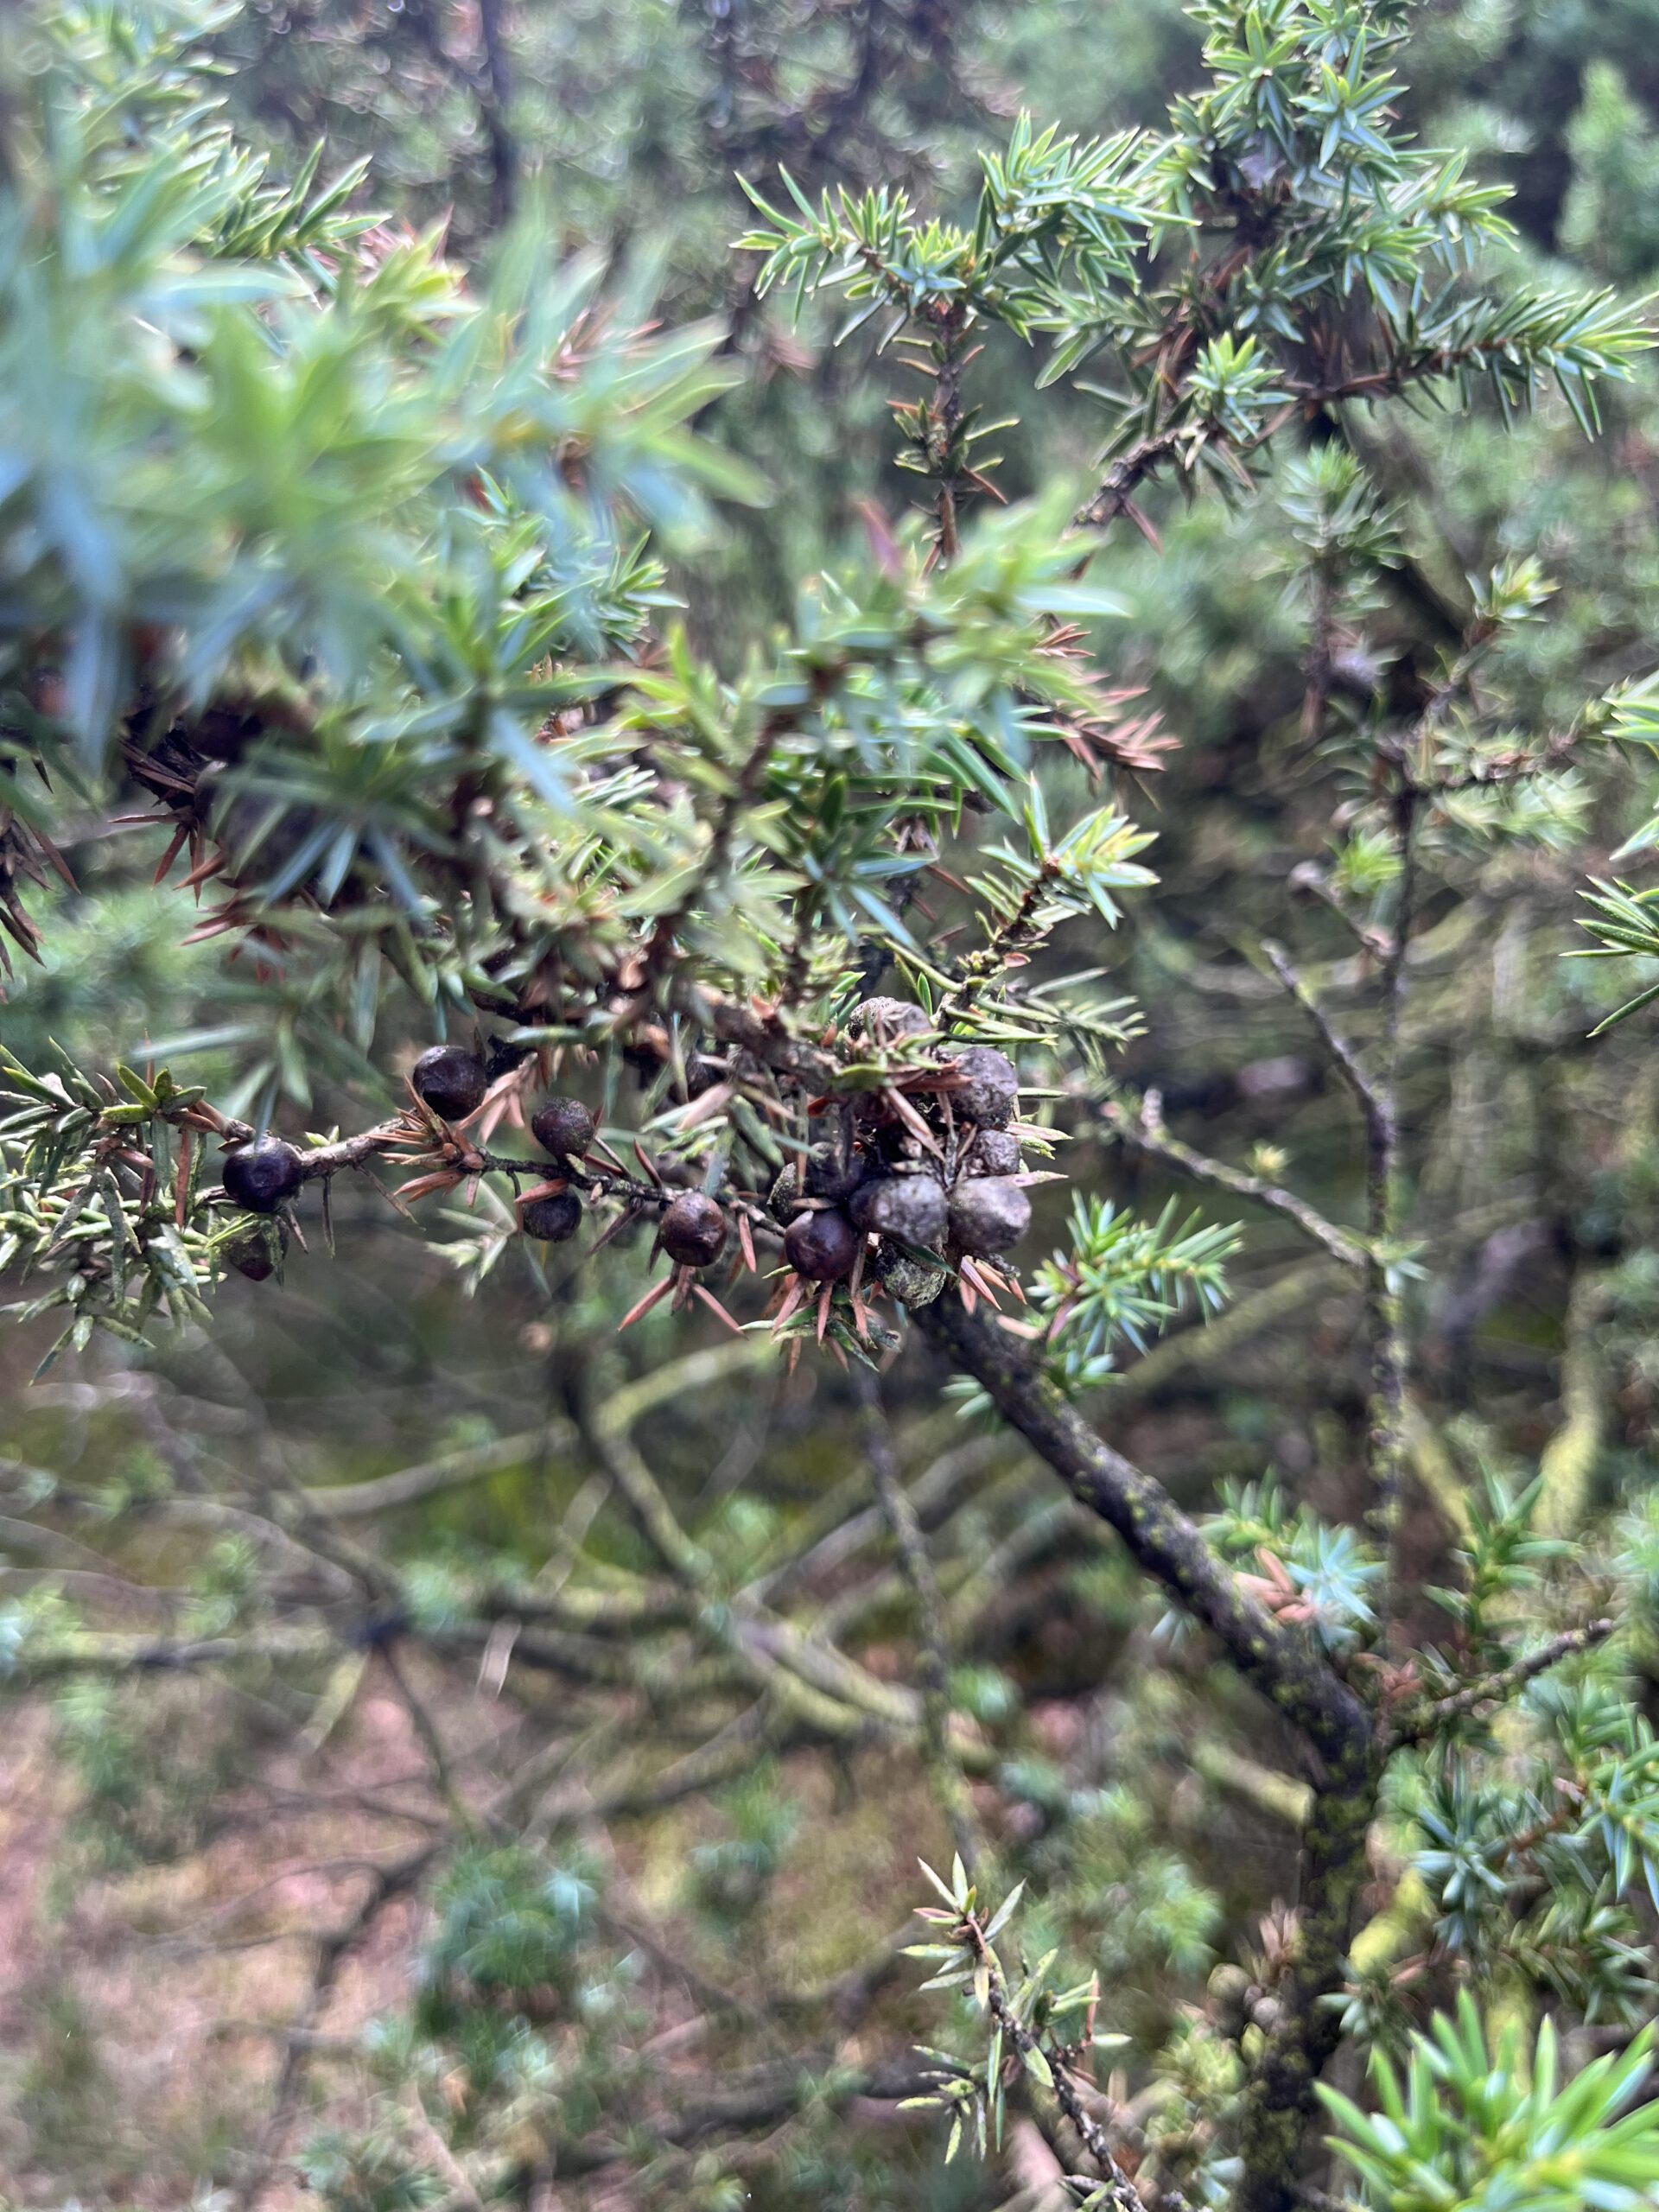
x=995, y=1151
x=260, y=1175
x=988, y=1215
x=693, y=1230
x=552, y=1221
x=832, y=1172
x=563, y=1127
x=989, y=1087
x=822, y=1246
x=909, y=1207
x=451, y=1081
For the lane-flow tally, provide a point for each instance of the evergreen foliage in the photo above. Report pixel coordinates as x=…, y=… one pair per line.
x=695, y=957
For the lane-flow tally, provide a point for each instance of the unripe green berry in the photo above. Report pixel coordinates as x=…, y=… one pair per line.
x=785, y=1195
x=252, y=1256
x=911, y=1282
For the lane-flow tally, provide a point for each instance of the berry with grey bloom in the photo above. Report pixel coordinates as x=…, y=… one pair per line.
x=988, y=1215
x=994, y=1152
x=880, y=1020
x=989, y=1087
x=832, y=1171
x=909, y=1207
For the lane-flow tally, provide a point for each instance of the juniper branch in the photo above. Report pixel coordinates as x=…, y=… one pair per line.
x=1278, y=1660
x=1498, y=1687
x=1145, y=1133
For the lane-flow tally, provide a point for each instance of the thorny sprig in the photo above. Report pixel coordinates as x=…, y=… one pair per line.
x=1025, y=2019
x=1122, y=1282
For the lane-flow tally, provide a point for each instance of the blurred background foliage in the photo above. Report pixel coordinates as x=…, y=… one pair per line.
x=227, y=1930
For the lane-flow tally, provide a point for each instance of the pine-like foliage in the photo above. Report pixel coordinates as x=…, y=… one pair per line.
x=345, y=586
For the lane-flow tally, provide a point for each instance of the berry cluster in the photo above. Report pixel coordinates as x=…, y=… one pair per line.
x=921, y=1180
x=912, y=1175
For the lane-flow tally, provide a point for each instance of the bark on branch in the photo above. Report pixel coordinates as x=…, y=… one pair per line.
x=1278, y=1660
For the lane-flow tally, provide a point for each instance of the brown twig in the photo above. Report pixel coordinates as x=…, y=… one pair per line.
x=1145, y=1133
x=933, y=1661
x=1123, y=2190
x=1498, y=1687
x=1281, y=1661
